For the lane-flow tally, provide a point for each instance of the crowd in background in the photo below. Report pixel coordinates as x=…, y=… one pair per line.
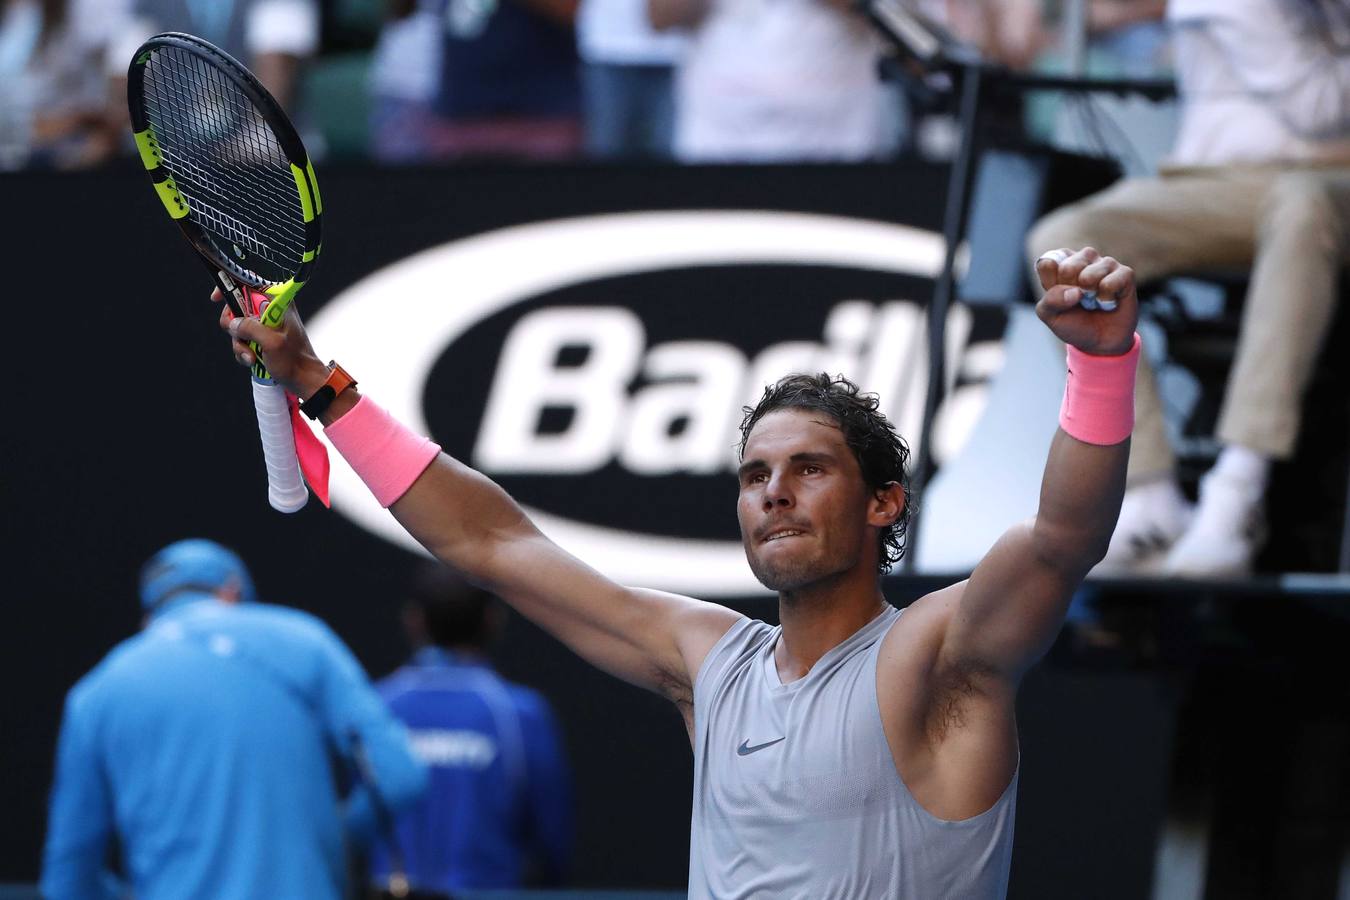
x=442, y=80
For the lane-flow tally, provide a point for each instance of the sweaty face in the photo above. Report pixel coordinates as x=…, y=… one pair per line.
x=803, y=504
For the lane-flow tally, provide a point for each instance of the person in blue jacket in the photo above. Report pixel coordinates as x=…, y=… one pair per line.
x=498, y=812
x=207, y=744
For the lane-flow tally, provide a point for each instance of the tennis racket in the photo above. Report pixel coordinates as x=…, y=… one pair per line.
x=230, y=169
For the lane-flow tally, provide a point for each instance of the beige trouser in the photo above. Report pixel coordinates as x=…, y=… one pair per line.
x=1291, y=226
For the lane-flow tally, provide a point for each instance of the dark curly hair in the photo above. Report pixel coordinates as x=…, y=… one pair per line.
x=882, y=454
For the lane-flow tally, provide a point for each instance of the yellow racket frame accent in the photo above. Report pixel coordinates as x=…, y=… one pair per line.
x=173, y=201
x=148, y=148
x=307, y=205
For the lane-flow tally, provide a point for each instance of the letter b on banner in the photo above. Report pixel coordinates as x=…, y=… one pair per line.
x=532, y=378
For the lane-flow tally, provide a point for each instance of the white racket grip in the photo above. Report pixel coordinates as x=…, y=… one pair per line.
x=286, y=489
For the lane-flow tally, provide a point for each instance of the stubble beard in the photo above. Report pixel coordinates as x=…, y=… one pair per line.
x=788, y=574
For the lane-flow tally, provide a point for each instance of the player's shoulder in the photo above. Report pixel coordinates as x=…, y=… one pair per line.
x=690, y=616
x=713, y=615
x=727, y=655
x=722, y=624
x=938, y=604
x=918, y=634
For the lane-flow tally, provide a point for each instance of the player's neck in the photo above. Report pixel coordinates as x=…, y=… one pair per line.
x=816, y=621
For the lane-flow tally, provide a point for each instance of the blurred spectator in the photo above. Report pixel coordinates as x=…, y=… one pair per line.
x=52, y=96
x=1132, y=33
x=627, y=80
x=505, y=81
x=1259, y=177
x=204, y=746
x=1016, y=33
x=788, y=80
x=498, y=813
x=1125, y=39
x=404, y=73
x=1119, y=39
x=1010, y=32
x=272, y=37
x=509, y=83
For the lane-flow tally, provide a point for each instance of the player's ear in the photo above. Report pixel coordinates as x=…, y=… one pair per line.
x=886, y=505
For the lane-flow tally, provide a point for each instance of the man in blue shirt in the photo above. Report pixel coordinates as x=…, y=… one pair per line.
x=498, y=812
x=207, y=745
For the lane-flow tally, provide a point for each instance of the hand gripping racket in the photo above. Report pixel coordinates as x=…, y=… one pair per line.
x=230, y=169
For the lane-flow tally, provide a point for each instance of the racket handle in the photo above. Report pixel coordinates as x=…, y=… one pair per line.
x=286, y=489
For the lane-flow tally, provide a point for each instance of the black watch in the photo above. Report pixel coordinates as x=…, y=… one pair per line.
x=337, y=382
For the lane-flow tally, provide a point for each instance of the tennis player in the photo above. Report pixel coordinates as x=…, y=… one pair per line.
x=855, y=751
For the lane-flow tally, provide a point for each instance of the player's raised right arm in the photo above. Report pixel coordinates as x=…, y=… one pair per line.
x=649, y=638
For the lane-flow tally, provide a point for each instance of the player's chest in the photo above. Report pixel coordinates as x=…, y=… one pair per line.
x=820, y=747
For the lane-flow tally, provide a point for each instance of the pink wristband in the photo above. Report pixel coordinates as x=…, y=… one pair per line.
x=380, y=449
x=1099, y=396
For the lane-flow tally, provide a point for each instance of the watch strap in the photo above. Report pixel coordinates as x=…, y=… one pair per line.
x=338, y=381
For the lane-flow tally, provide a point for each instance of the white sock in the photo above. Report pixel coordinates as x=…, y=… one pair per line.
x=1163, y=497
x=1242, y=465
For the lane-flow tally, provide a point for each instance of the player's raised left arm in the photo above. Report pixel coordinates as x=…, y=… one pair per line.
x=1014, y=603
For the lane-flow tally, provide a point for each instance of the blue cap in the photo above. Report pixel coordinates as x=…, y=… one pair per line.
x=192, y=565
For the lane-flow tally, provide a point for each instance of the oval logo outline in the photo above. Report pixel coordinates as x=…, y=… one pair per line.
x=391, y=327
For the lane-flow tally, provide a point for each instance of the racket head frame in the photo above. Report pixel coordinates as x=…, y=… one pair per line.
x=228, y=272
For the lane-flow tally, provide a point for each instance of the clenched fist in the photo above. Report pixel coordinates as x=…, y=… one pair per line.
x=1089, y=300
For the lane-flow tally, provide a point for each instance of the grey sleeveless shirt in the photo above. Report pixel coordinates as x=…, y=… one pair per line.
x=796, y=794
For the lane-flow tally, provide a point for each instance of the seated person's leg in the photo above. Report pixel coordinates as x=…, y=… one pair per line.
x=1157, y=226
x=1304, y=239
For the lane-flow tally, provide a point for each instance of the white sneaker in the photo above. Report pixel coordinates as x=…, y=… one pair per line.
x=1228, y=529
x=1152, y=517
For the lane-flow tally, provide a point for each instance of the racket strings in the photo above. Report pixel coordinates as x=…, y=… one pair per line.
x=263, y=177
x=278, y=174
x=226, y=162
x=226, y=193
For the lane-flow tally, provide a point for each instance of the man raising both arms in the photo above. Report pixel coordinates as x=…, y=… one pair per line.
x=855, y=751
